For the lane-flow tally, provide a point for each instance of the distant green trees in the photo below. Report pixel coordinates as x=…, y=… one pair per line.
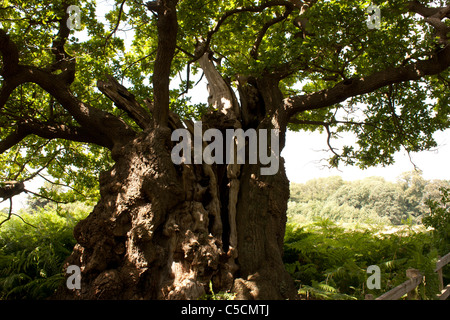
x=371, y=200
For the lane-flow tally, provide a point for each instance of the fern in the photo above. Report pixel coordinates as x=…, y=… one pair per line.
x=323, y=291
x=31, y=259
x=31, y=274
x=323, y=257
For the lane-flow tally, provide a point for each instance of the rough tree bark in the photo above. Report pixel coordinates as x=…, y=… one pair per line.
x=162, y=231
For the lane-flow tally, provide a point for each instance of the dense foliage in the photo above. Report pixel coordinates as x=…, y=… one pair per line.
x=330, y=262
x=439, y=219
x=328, y=257
x=34, y=247
x=327, y=260
x=335, y=48
x=372, y=200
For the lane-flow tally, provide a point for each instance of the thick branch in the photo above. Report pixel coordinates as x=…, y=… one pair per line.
x=10, y=54
x=434, y=17
x=124, y=100
x=155, y=6
x=103, y=127
x=221, y=96
x=11, y=140
x=63, y=61
x=6, y=90
x=59, y=131
x=9, y=189
x=354, y=87
x=424, y=11
x=50, y=131
x=167, y=40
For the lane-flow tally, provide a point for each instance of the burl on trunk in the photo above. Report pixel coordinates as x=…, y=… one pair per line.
x=166, y=231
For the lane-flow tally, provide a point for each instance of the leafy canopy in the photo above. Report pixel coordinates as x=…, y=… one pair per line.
x=247, y=39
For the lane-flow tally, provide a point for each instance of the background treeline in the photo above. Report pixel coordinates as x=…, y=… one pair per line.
x=368, y=201
x=327, y=258
x=337, y=229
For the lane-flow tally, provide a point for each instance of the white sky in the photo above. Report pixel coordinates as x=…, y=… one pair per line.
x=303, y=153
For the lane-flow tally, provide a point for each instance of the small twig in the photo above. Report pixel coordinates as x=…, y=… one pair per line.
x=45, y=197
x=327, y=127
x=186, y=52
x=9, y=213
x=139, y=60
x=266, y=26
x=116, y=27
x=15, y=214
x=62, y=185
x=23, y=220
x=416, y=168
x=37, y=173
x=201, y=78
x=188, y=72
x=204, y=47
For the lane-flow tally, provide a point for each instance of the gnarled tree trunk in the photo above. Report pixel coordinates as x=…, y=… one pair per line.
x=165, y=231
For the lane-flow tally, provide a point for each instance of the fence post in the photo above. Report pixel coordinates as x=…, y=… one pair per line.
x=441, y=278
x=411, y=274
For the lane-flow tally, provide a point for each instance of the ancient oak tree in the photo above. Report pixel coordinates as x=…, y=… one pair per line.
x=92, y=105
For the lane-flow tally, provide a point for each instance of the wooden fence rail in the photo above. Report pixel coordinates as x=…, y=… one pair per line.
x=415, y=279
x=444, y=292
x=408, y=287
